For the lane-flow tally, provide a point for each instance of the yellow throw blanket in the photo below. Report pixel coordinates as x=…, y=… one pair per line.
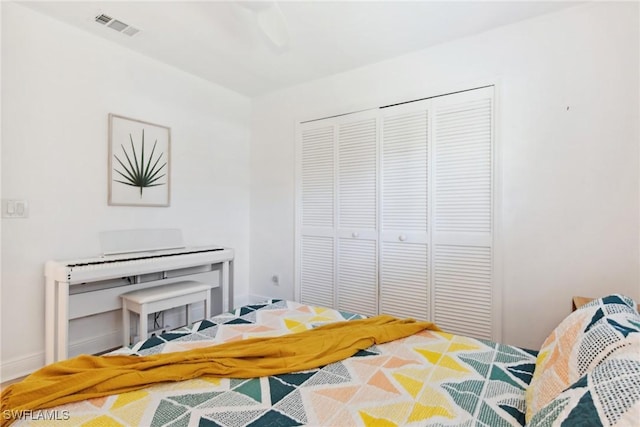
x=87, y=377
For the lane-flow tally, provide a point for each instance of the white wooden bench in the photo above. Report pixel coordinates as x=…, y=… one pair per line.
x=152, y=300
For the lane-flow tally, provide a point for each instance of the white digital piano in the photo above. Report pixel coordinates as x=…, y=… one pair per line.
x=84, y=287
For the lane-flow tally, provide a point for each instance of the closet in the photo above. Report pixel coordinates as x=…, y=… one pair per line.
x=395, y=212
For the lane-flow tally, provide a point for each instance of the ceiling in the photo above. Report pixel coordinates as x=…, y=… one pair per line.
x=223, y=43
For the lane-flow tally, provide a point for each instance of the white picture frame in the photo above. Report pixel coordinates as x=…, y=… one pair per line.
x=139, y=163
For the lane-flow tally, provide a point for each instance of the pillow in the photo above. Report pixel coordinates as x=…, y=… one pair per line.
x=609, y=395
x=578, y=344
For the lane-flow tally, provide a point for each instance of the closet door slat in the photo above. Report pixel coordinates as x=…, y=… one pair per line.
x=317, y=177
x=404, y=251
x=316, y=259
x=357, y=212
x=316, y=223
x=463, y=257
x=357, y=174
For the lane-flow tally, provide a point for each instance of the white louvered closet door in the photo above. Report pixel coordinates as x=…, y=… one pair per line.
x=404, y=252
x=357, y=266
x=316, y=192
x=462, y=227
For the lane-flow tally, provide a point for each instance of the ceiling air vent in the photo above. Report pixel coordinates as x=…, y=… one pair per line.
x=103, y=19
x=117, y=25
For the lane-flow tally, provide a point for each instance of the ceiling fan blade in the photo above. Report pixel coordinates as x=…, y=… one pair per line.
x=274, y=25
x=271, y=22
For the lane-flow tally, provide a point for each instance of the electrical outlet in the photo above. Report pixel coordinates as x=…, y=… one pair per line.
x=275, y=279
x=12, y=208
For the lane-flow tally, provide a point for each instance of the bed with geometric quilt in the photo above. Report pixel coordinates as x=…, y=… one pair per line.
x=427, y=379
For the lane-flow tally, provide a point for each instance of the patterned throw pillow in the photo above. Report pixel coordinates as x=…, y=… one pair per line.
x=578, y=344
x=609, y=395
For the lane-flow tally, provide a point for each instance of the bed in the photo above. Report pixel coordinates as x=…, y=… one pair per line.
x=429, y=378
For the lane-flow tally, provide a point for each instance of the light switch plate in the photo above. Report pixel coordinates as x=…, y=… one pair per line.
x=15, y=208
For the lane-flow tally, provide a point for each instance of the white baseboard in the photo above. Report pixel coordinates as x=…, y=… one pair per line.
x=90, y=345
x=21, y=366
x=24, y=365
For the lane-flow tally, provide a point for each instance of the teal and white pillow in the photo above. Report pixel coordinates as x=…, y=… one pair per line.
x=608, y=395
x=582, y=341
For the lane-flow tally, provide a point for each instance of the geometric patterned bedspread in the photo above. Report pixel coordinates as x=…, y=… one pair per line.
x=431, y=378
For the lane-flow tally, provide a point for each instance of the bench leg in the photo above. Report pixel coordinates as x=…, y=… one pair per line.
x=142, y=324
x=207, y=305
x=126, y=325
x=188, y=323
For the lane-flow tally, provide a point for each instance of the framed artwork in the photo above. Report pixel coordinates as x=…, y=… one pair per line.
x=139, y=162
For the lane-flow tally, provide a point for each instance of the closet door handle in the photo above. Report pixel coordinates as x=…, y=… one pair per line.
x=355, y=234
x=402, y=237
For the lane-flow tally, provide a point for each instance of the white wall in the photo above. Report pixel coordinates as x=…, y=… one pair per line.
x=58, y=86
x=568, y=136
